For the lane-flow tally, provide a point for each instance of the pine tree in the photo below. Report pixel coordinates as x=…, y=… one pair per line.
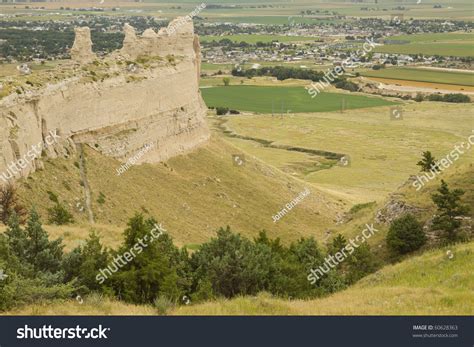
x=17, y=238
x=146, y=277
x=405, y=235
x=427, y=162
x=449, y=207
x=338, y=243
x=44, y=255
x=9, y=204
x=94, y=258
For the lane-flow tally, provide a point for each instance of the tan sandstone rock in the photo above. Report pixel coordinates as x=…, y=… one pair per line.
x=81, y=50
x=159, y=105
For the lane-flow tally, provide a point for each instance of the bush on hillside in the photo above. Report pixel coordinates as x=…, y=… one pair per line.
x=405, y=235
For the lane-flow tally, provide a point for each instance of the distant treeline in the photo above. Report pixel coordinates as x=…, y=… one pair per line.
x=282, y=73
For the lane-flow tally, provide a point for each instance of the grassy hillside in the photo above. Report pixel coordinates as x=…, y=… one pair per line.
x=383, y=153
x=192, y=195
x=433, y=283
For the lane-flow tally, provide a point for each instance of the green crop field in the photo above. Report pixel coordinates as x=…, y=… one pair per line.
x=423, y=75
x=288, y=99
x=432, y=44
x=257, y=38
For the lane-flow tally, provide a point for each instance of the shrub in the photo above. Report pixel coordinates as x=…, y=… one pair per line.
x=9, y=204
x=163, y=305
x=458, y=98
x=53, y=197
x=419, y=97
x=347, y=85
x=405, y=235
x=101, y=198
x=435, y=97
x=59, y=215
x=455, y=98
x=221, y=111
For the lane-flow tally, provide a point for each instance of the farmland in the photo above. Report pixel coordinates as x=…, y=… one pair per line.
x=432, y=44
x=423, y=75
x=286, y=99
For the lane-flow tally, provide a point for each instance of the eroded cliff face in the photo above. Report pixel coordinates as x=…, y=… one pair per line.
x=145, y=94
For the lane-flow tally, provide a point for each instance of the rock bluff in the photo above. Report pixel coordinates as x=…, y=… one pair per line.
x=146, y=93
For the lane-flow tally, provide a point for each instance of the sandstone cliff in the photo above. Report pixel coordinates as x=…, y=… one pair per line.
x=145, y=94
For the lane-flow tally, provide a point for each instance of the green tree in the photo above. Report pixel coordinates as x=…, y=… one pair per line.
x=147, y=276
x=9, y=204
x=31, y=263
x=16, y=236
x=85, y=262
x=59, y=215
x=427, y=162
x=405, y=235
x=361, y=263
x=226, y=81
x=44, y=255
x=449, y=207
x=338, y=243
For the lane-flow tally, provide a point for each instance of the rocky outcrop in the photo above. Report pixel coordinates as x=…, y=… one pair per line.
x=157, y=104
x=394, y=209
x=81, y=50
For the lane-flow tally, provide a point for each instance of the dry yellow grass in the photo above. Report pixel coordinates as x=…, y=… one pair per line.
x=192, y=195
x=88, y=306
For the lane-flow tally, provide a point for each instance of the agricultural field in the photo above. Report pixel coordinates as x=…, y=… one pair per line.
x=446, y=44
x=423, y=75
x=286, y=99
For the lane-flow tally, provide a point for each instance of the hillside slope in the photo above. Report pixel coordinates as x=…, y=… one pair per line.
x=192, y=195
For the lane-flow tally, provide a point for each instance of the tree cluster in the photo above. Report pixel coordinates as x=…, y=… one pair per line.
x=226, y=266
